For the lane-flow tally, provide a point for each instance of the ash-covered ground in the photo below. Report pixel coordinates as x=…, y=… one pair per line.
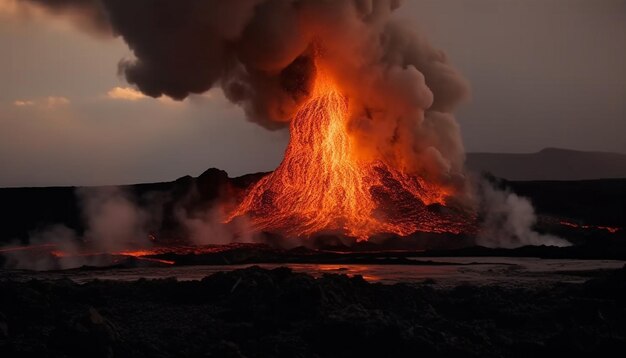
x=256, y=312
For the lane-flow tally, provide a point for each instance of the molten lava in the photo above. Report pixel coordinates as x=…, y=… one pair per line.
x=323, y=186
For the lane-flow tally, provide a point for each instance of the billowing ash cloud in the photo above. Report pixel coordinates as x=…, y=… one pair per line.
x=402, y=90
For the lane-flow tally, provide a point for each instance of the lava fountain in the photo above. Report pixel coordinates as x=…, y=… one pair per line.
x=323, y=186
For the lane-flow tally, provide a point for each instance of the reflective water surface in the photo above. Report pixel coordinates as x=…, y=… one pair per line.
x=449, y=271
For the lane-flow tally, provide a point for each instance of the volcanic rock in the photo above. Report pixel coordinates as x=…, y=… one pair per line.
x=280, y=313
x=87, y=333
x=4, y=327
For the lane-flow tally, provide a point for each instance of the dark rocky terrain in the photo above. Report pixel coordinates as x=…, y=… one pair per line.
x=596, y=202
x=278, y=313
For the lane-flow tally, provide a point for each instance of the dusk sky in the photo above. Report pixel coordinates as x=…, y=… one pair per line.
x=544, y=73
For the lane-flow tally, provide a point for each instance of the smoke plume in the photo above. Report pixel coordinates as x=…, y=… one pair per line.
x=263, y=54
x=112, y=220
x=509, y=220
x=202, y=221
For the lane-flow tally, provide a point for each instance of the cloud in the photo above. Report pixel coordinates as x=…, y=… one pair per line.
x=56, y=101
x=125, y=93
x=133, y=95
x=48, y=102
x=23, y=103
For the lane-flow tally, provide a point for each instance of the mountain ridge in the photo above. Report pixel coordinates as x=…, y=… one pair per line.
x=550, y=164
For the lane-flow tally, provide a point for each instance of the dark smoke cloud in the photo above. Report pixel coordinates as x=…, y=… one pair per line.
x=402, y=90
x=188, y=46
x=253, y=48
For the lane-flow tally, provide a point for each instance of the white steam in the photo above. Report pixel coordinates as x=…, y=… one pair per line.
x=509, y=220
x=207, y=227
x=113, y=222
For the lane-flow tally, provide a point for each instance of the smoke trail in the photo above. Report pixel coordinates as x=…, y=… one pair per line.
x=115, y=221
x=509, y=220
x=201, y=218
x=112, y=220
x=55, y=237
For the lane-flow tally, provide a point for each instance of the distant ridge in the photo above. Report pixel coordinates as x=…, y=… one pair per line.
x=550, y=164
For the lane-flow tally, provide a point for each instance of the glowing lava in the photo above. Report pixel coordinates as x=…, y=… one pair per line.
x=323, y=186
x=610, y=229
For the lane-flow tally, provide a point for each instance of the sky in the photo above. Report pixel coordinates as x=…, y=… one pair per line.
x=544, y=73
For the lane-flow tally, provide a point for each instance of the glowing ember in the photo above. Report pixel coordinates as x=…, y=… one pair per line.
x=323, y=186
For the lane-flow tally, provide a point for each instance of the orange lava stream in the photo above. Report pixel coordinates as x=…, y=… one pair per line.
x=28, y=247
x=610, y=229
x=321, y=185
x=141, y=253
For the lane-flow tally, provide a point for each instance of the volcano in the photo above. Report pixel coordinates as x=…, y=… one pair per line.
x=323, y=185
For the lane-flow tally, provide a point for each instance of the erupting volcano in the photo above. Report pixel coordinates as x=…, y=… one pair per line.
x=323, y=185
x=374, y=148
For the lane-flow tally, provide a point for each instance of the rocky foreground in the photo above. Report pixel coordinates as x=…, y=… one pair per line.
x=279, y=313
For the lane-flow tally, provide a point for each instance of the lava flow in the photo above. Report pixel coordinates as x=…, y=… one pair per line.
x=610, y=229
x=323, y=186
